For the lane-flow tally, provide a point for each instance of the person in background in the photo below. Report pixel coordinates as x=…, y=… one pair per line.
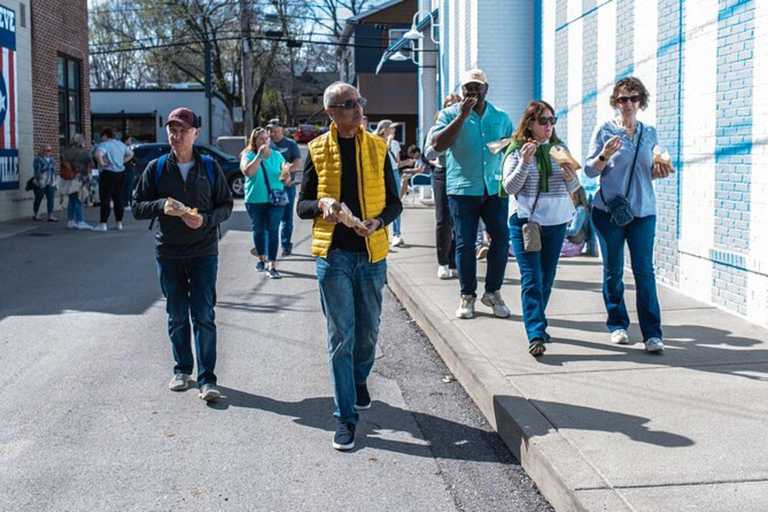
x=130, y=173
x=445, y=242
x=386, y=130
x=78, y=188
x=259, y=164
x=291, y=154
x=111, y=156
x=472, y=182
x=45, y=181
x=577, y=232
x=621, y=153
x=542, y=189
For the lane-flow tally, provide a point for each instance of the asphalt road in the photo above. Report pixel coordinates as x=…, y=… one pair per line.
x=87, y=421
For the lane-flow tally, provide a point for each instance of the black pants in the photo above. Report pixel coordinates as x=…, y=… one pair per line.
x=111, y=186
x=444, y=239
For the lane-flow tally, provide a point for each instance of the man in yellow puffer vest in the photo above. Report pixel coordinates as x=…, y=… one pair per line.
x=349, y=165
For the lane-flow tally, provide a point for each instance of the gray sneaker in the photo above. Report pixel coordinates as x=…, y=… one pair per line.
x=179, y=382
x=494, y=301
x=209, y=392
x=467, y=307
x=654, y=345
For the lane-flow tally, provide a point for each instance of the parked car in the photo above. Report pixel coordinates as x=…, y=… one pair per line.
x=230, y=164
x=305, y=133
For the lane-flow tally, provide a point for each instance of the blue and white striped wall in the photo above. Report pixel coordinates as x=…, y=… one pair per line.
x=705, y=63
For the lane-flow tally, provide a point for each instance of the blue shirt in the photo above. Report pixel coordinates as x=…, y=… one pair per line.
x=471, y=168
x=615, y=176
x=255, y=188
x=288, y=148
x=114, y=153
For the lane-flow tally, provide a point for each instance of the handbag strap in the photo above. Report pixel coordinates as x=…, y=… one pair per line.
x=266, y=180
x=632, y=169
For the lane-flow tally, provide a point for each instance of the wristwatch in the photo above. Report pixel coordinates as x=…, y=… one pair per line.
x=601, y=157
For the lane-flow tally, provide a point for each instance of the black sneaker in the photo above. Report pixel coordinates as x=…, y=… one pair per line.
x=363, y=401
x=344, y=439
x=286, y=252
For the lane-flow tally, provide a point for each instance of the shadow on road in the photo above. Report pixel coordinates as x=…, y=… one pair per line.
x=378, y=426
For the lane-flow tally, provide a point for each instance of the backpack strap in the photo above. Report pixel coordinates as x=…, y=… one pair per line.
x=208, y=161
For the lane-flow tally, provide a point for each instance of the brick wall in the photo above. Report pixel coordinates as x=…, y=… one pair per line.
x=58, y=27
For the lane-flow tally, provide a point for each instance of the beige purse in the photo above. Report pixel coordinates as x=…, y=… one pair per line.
x=532, y=230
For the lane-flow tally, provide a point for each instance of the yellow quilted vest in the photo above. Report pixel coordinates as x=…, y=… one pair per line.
x=371, y=152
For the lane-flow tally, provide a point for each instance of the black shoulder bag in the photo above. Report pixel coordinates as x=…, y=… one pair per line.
x=618, y=206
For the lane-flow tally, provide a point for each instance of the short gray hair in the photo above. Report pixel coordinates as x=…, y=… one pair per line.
x=332, y=92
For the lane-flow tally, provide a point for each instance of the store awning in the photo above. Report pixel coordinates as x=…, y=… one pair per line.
x=401, y=43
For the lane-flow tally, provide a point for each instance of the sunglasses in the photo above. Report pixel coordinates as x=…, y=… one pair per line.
x=544, y=121
x=624, y=99
x=350, y=104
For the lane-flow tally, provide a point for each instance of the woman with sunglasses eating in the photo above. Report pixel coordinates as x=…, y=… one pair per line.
x=544, y=205
x=621, y=153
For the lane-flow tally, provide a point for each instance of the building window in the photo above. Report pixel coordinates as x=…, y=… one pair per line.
x=70, y=94
x=395, y=34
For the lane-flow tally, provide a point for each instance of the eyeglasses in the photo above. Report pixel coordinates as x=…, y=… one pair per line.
x=350, y=104
x=544, y=121
x=624, y=99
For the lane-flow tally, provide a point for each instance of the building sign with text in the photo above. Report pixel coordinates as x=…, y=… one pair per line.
x=9, y=123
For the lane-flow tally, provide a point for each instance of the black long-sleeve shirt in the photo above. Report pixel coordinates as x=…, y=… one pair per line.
x=343, y=237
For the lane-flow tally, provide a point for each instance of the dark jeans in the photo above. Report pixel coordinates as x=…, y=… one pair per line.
x=537, y=273
x=111, y=187
x=50, y=195
x=189, y=286
x=444, y=239
x=128, y=187
x=466, y=211
x=286, y=223
x=350, y=293
x=639, y=235
x=265, y=223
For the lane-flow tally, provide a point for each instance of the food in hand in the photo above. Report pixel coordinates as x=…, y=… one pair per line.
x=347, y=218
x=176, y=208
x=661, y=157
x=498, y=145
x=563, y=157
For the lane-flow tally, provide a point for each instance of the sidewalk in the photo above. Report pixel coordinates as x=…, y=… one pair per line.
x=600, y=426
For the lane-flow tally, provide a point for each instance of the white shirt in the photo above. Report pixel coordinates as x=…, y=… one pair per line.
x=184, y=168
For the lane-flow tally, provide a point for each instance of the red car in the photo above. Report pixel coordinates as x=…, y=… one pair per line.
x=305, y=133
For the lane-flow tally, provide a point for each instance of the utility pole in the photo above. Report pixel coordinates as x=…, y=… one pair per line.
x=209, y=87
x=247, y=68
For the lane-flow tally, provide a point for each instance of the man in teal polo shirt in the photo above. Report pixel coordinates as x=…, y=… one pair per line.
x=472, y=180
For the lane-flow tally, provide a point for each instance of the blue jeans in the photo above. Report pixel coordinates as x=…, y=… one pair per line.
x=466, y=211
x=350, y=293
x=189, y=286
x=74, y=207
x=50, y=195
x=639, y=235
x=286, y=223
x=396, y=223
x=265, y=224
x=537, y=273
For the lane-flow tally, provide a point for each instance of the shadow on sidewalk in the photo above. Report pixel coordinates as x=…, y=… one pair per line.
x=377, y=426
x=562, y=416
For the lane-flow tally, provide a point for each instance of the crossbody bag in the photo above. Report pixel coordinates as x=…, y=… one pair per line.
x=618, y=206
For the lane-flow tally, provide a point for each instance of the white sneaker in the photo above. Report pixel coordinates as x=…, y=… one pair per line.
x=397, y=241
x=179, y=382
x=443, y=272
x=71, y=224
x=494, y=301
x=654, y=345
x=481, y=252
x=467, y=307
x=209, y=392
x=620, y=336
x=101, y=227
x=84, y=226
x=119, y=226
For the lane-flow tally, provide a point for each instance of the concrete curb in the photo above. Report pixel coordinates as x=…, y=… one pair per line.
x=562, y=474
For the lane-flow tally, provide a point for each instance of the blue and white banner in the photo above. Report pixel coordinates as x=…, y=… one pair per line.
x=9, y=123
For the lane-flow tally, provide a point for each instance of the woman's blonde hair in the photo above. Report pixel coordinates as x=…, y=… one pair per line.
x=77, y=141
x=579, y=197
x=535, y=109
x=252, y=145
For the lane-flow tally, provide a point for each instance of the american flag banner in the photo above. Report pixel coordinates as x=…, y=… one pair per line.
x=9, y=123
